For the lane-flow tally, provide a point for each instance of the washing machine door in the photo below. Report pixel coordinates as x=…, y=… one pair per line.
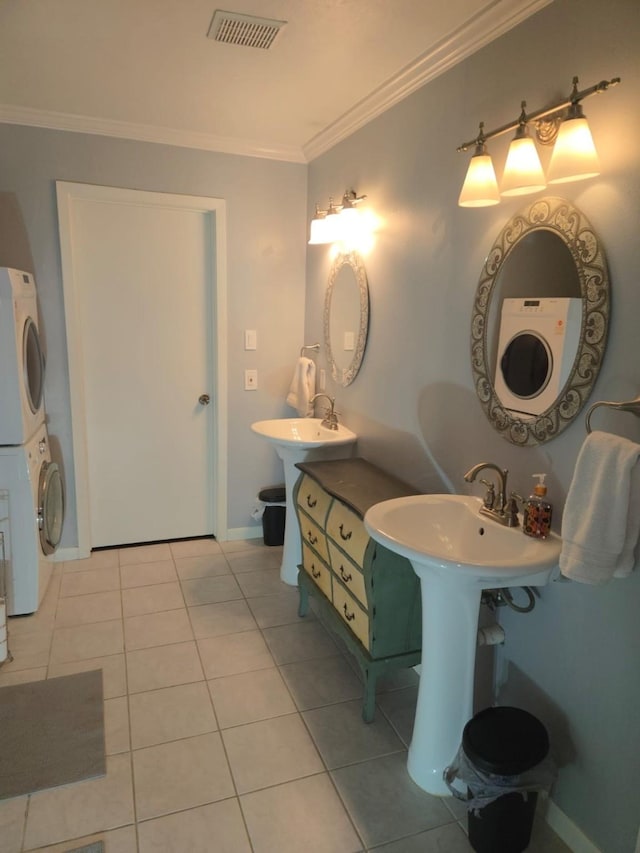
x=33, y=362
x=50, y=507
x=527, y=365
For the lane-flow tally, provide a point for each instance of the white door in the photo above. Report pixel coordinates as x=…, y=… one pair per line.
x=143, y=267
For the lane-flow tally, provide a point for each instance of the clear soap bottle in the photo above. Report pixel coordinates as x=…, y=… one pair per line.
x=537, y=511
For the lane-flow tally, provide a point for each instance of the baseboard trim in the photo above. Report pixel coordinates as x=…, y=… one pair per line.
x=235, y=533
x=63, y=555
x=567, y=830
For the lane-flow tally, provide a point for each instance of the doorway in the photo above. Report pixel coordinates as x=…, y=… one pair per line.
x=144, y=279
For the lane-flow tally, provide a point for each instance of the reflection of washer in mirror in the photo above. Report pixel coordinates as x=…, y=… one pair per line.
x=546, y=250
x=526, y=365
x=346, y=316
x=536, y=348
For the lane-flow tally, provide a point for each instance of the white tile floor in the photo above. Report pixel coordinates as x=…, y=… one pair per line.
x=231, y=725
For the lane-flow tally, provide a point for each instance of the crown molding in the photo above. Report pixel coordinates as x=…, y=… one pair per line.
x=10, y=114
x=491, y=22
x=484, y=27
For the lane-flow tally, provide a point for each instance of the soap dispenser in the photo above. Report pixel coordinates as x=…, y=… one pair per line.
x=537, y=511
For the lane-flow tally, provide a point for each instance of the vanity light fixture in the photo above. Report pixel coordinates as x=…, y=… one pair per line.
x=574, y=156
x=338, y=222
x=331, y=223
x=318, y=228
x=480, y=188
x=523, y=171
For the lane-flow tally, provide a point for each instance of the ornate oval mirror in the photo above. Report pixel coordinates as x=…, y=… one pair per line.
x=540, y=321
x=346, y=316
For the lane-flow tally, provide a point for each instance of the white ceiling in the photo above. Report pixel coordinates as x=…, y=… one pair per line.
x=145, y=69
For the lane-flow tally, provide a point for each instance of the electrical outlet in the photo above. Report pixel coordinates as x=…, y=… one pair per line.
x=323, y=379
x=250, y=380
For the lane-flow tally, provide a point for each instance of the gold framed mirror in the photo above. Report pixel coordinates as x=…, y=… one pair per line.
x=540, y=321
x=346, y=316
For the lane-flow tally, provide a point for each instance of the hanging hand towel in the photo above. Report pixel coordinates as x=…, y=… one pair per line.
x=601, y=519
x=303, y=387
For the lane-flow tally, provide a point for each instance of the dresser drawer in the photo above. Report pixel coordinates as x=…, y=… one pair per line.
x=313, y=535
x=348, y=531
x=351, y=613
x=313, y=499
x=317, y=570
x=350, y=574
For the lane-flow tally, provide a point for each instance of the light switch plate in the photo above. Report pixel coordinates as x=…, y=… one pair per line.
x=250, y=339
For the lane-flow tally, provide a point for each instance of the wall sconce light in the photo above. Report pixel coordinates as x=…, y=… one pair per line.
x=480, y=188
x=337, y=223
x=574, y=156
x=318, y=227
x=523, y=170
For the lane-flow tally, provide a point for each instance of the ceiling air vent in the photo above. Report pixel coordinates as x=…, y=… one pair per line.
x=245, y=30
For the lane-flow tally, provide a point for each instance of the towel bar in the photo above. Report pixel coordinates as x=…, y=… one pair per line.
x=632, y=406
x=315, y=347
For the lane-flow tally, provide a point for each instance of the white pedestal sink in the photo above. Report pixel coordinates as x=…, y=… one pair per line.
x=456, y=553
x=299, y=440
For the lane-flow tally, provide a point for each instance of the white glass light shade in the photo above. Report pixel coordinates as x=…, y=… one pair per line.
x=332, y=226
x=480, y=188
x=523, y=171
x=349, y=222
x=318, y=231
x=574, y=155
x=348, y=217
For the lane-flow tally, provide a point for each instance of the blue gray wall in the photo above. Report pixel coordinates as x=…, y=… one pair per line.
x=574, y=660
x=265, y=257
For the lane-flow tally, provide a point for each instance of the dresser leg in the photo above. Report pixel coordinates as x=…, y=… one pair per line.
x=303, y=604
x=369, y=703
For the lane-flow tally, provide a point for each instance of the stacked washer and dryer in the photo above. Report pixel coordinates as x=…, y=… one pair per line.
x=32, y=483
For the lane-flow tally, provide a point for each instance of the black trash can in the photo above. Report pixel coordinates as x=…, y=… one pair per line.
x=274, y=514
x=504, y=743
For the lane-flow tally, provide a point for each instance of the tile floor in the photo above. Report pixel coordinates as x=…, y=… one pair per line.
x=231, y=724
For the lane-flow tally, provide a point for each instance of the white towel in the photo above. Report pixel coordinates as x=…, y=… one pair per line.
x=601, y=519
x=303, y=387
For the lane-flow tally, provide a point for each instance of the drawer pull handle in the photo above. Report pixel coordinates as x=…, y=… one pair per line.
x=311, y=503
x=315, y=573
x=348, y=616
x=312, y=539
x=343, y=535
x=345, y=577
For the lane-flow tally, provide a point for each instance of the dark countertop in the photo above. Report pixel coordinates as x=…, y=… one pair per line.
x=356, y=482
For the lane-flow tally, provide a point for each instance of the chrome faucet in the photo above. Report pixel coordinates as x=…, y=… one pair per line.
x=497, y=506
x=330, y=420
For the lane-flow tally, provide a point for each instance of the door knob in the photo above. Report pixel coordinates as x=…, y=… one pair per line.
x=204, y=399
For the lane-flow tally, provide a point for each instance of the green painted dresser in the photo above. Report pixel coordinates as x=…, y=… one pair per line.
x=366, y=594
